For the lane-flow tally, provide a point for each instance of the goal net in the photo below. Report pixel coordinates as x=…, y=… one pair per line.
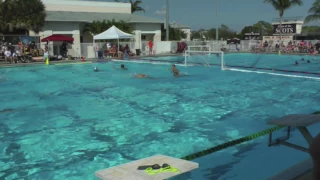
x=203, y=56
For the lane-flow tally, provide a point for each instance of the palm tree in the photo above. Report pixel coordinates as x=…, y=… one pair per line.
x=32, y=15
x=7, y=16
x=135, y=6
x=263, y=27
x=281, y=6
x=314, y=12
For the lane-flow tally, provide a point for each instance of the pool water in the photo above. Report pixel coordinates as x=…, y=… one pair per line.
x=66, y=121
x=238, y=60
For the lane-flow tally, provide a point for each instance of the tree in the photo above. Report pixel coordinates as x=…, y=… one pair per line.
x=263, y=27
x=195, y=35
x=21, y=14
x=281, y=6
x=174, y=34
x=226, y=33
x=97, y=27
x=314, y=12
x=310, y=29
x=32, y=15
x=135, y=6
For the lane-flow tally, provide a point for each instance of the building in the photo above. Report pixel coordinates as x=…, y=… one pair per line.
x=68, y=17
x=287, y=29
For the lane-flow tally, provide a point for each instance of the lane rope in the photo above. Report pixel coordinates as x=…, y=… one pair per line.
x=234, y=142
x=231, y=143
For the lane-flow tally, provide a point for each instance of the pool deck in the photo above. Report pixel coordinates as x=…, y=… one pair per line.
x=5, y=64
x=131, y=171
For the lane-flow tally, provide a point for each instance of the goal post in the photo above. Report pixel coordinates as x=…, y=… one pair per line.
x=204, y=58
x=199, y=48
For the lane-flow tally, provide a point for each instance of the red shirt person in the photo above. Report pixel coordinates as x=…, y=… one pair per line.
x=150, y=44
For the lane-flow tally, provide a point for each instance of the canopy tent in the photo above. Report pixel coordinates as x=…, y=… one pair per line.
x=113, y=33
x=57, y=37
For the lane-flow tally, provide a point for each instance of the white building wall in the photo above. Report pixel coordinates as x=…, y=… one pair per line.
x=71, y=29
x=87, y=6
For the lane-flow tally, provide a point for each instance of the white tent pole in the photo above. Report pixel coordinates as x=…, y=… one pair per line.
x=94, y=48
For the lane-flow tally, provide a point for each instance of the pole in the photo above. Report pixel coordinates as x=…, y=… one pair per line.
x=167, y=20
x=217, y=28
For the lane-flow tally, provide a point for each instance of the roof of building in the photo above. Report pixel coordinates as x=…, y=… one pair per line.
x=179, y=26
x=85, y=3
x=92, y=16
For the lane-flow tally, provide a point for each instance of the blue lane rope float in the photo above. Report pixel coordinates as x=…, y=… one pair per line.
x=234, y=142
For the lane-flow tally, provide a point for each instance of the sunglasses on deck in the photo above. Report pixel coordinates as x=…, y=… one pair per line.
x=155, y=166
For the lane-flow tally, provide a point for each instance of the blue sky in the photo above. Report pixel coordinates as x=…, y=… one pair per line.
x=234, y=13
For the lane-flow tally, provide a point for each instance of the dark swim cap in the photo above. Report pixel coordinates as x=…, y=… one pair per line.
x=122, y=65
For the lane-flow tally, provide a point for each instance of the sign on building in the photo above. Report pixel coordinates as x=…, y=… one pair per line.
x=285, y=29
x=278, y=38
x=249, y=36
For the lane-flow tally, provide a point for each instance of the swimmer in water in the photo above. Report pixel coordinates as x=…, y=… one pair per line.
x=296, y=63
x=121, y=67
x=302, y=59
x=95, y=69
x=175, y=71
x=308, y=61
x=141, y=76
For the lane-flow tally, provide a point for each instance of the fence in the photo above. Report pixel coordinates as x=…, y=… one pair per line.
x=89, y=50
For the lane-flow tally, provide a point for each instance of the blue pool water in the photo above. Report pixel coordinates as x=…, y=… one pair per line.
x=66, y=121
x=271, y=61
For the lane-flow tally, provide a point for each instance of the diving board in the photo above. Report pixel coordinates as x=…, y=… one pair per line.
x=130, y=170
x=300, y=121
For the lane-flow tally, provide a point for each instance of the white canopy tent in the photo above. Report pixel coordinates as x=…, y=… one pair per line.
x=112, y=33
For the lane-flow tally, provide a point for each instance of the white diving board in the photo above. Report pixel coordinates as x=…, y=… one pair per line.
x=130, y=171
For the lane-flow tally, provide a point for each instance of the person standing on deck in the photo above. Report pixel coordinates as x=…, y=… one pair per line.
x=150, y=44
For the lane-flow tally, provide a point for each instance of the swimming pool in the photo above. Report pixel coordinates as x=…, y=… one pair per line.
x=66, y=122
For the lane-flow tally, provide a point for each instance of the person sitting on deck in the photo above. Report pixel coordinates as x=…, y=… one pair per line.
x=126, y=51
x=113, y=51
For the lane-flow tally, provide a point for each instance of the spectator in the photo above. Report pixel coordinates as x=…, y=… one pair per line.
x=317, y=46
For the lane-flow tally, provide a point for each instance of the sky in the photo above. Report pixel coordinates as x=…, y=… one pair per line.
x=234, y=13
